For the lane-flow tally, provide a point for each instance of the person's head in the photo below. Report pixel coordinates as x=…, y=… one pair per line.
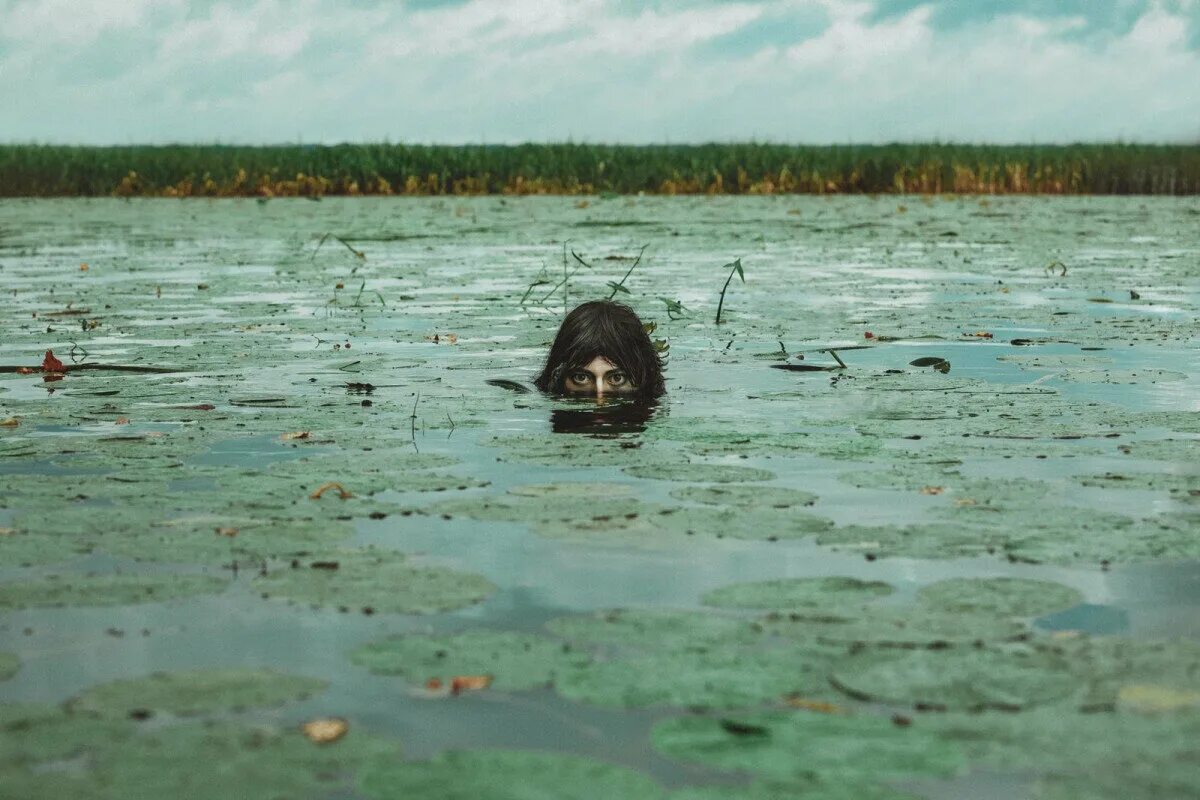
x=602, y=350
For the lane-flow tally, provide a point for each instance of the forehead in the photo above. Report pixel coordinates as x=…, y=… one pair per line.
x=599, y=366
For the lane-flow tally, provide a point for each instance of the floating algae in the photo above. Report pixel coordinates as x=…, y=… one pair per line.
x=504, y=775
x=373, y=580
x=9, y=665
x=1003, y=597
x=513, y=660
x=808, y=749
x=192, y=692
x=57, y=591
x=800, y=595
x=964, y=679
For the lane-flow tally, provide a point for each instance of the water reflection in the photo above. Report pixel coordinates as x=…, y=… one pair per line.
x=604, y=418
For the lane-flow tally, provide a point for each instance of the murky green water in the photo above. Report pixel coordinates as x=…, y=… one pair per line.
x=1016, y=540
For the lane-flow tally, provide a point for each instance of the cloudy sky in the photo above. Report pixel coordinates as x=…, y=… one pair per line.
x=253, y=71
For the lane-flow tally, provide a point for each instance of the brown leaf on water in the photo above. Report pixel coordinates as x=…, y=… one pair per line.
x=819, y=706
x=325, y=487
x=287, y=437
x=325, y=730
x=9, y=422
x=230, y=532
x=932, y=489
x=469, y=683
x=121, y=421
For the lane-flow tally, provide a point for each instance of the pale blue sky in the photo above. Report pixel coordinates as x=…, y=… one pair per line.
x=121, y=71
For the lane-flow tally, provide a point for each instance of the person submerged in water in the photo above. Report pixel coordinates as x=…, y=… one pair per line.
x=602, y=350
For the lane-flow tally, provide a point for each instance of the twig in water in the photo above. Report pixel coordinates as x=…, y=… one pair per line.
x=619, y=286
x=358, y=297
x=837, y=358
x=735, y=267
x=452, y=425
x=566, y=277
x=360, y=254
x=412, y=420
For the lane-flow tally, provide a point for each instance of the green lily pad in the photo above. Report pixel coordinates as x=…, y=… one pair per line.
x=574, y=491
x=970, y=679
x=57, y=591
x=379, y=580
x=656, y=631
x=745, y=496
x=1005, y=597
x=815, y=595
x=504, y=775
x=899, y=627
x=920, y=540
x=31, y=733
x=210, y=761
x=804, y=746
x=9, y=665
x=582, y=451
x=192, y=692
x=1107, y=665
x=24, y=548
x=718, y=678
x=700, y=473
x=513, y=660
x=810, y=789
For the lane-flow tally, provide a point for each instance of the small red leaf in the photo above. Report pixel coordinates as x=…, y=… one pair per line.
x=52, y=364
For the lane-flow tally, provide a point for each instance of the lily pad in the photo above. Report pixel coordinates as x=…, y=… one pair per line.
x=701, y=473
x=900, y=627
x=1005, y=597
x=32, y=733
x=815, y=595
x=644, y=630
x=719, y=678
x=378, y=580
x=9, y=665
x=504, y=775
x=970, y=679
x=204, y=762
x=745, y=496
x=191, y=692
x=57, y=591
x=513, y=660
x=807, y=746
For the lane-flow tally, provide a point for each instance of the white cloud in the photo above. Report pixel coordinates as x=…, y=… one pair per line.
x=509, y=70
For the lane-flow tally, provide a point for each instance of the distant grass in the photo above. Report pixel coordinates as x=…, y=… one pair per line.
x=292, y=170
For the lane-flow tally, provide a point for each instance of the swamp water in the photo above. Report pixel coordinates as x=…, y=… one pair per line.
x=880, y=581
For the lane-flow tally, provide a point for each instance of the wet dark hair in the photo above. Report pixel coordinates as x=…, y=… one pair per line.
x=608, y=329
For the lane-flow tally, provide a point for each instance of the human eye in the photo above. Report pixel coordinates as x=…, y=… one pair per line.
x=580, y=377
x=617, y=378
